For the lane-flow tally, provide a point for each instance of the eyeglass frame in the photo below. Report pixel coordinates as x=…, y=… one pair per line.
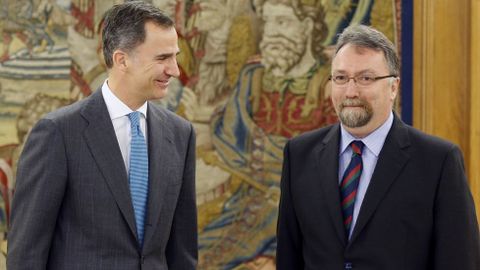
x=354, y=78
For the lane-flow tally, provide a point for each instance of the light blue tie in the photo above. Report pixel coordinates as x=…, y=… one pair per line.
x=138, y=173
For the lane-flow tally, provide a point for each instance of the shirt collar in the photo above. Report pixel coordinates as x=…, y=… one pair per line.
x=374, y=141
x=116, y=108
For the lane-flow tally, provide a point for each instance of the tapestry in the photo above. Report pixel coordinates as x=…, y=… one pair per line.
x=252, y=76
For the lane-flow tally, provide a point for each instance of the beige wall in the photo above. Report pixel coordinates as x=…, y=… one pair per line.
x=474, y=164
x=446, y=91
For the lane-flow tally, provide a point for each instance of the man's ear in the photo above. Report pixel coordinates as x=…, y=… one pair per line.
x=308, y=25
x=395, y=87
x=120, y=59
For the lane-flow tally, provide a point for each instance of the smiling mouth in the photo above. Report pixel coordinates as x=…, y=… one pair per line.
x=163, y=83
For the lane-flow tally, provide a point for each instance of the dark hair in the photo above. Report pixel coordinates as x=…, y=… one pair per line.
x=124, y=26
x=368, y=37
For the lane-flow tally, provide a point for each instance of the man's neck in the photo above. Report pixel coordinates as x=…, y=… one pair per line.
x=120, y=90
x=364, y=131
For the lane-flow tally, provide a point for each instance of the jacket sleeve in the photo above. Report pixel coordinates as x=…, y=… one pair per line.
x=456, y=237
x=289, y=238
x=182, y=247
x=39, y=189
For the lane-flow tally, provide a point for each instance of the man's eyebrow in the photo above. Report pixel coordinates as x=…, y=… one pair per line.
x=166, y=55
x=363, y=71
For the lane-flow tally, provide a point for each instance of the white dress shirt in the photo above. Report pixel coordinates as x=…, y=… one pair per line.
x=373, y=145
x=118, y=112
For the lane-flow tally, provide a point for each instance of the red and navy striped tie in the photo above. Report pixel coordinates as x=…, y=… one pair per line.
x=349, y=184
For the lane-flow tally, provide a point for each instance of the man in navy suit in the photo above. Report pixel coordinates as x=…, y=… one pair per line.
x=109, y=182
x=372, y=192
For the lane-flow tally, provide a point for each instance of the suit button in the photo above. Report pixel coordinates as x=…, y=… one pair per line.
x=348, y=265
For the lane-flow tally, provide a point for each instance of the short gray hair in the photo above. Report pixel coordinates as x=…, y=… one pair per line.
x=124, y=26
x=368, y=37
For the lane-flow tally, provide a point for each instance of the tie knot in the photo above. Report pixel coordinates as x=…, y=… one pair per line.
x=134, y=119
x=357, y=147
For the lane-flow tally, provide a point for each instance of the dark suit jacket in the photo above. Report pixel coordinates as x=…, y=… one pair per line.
x=417, y=214
x=72, y=207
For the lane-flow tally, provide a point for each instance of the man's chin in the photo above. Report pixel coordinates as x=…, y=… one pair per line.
x=159, y=93
x=354, y=117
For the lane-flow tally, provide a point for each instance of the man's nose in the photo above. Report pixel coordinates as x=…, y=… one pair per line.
x=351, y=88
x=270, y=28
x=172, y=69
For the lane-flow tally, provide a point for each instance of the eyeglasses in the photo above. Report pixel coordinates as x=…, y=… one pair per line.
x=362, y=80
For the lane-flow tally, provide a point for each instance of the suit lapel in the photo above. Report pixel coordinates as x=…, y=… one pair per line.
x=391, y=161
x=328, y=175
x=102, y=142
x=160, y=152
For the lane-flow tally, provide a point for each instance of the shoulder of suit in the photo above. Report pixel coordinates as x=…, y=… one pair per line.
x=67, y=112
x=169, y=116
x=313, y=136
x=429, y=142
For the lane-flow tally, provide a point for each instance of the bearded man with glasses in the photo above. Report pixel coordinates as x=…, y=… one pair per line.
x=372, y=192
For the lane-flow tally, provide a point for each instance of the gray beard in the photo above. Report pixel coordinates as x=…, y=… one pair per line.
x=354, y=119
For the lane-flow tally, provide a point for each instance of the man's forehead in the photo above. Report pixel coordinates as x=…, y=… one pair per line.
x=271, y=9
x=352, y=49
x=343, y=58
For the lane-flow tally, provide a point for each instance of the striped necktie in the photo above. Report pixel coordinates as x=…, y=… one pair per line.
x=138, y=173
x=349, y=184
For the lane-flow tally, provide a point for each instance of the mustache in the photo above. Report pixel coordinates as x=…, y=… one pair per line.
x=281, y=43
x=279, y=38
x=353, y=102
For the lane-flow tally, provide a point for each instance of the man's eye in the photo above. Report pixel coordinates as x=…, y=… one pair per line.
x=283, y=21
x=366, y=79
x=340, y=78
